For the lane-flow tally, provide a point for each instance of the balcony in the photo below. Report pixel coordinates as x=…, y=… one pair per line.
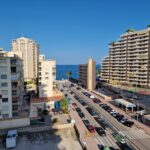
x=15, y=77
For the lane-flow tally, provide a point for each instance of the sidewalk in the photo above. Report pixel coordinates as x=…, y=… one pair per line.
x=86, y=138
x=137, y=124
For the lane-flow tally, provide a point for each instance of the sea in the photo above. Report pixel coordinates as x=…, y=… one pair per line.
x=61, y=71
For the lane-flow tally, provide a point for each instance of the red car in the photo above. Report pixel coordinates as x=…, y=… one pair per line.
x=91, y=128
x=74, y=104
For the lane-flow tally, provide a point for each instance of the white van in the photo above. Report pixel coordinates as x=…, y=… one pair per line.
x=11, y=139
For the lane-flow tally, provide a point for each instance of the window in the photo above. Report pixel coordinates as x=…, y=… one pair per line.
x=3, y=61
x=3, y=68
x=5, y=115
x=4, y=100
x=4, y=92
x=5, y=108
x=4, y=84
x=46, y=73
x=14, y=92
x=47, y=78
x=3, y=76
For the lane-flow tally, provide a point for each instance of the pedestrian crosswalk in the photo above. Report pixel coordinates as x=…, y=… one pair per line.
x=135, y=134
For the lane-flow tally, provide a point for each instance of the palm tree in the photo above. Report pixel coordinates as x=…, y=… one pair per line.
x=69, y=73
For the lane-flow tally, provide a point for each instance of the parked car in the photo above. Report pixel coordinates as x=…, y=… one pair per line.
x=86, y=122
x=91, y=128
x=78, y=88
x=74, y=104
x=100, y=131
x=11, y=139
x=78, y=109
x=81, y=114
x=84, y=104
x=119, y=117
x=93, y=113
x=96, y=100
x=123, y=120
x=128, y=123
x=100, y=122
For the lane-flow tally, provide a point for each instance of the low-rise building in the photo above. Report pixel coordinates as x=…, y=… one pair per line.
x=87, y=75
x=11, y=84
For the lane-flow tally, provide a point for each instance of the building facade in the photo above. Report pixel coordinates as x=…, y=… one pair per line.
x=87, y=74
x=129, y=60
x=28, y=50
x=105, y=70
x=11, y=84
x=47, y=77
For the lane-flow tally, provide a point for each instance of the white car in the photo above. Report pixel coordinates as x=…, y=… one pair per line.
x=92, y=97
x=11, y=139
x=113, y=111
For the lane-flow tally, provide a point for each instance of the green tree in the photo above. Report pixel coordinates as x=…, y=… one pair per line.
x=69, y=73
x=64, y=105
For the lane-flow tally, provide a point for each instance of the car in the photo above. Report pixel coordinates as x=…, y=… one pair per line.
x=84, y=104
x=78, y=88
x=93, y=113
x=86, y=122
x=100, y=131
x=123, y=120
x=74, y=104
x=113, y=111
x=87, y=94
x=109, y=110
x=81, y=114
x=101, y=122
x=103, y=105
x=78, y=109
x=115, y=114
x=88, y=109
x=96, y=100
x=128, y=123
x=119, y=117
x=92, y=97
x=91, y=128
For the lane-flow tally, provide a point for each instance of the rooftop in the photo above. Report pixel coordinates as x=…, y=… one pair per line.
x=46, y=99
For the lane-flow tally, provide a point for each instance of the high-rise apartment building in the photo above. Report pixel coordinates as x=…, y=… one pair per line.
x=47, y=76
x=129, y=60
x=28, y=50
x=87, y=74
x=11, y=84
x=105, y=70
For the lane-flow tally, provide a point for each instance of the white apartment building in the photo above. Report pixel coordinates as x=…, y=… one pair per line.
x=129, y=60
x=11, y=84
x=47, y=76
x=28, y=50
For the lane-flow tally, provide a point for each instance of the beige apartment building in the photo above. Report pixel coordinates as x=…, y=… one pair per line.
x=28, y=50
x=129, y=60
x=11, y=84
x=87, y=74
x=47, y=77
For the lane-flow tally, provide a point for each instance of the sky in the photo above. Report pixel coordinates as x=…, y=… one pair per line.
x=71, y=31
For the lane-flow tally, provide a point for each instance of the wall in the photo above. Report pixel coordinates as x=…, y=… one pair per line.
x=14, y=123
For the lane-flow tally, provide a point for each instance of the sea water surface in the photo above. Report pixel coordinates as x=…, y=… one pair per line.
x=61, y=71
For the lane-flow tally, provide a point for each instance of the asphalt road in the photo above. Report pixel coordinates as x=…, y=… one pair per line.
x=107, y=140
x=137, y=137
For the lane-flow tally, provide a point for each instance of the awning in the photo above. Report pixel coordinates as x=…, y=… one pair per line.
x=125, y=103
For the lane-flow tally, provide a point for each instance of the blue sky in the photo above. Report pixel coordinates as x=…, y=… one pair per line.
x=71, y=31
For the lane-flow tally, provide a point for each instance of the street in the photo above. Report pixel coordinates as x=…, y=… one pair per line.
x=135, y=137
